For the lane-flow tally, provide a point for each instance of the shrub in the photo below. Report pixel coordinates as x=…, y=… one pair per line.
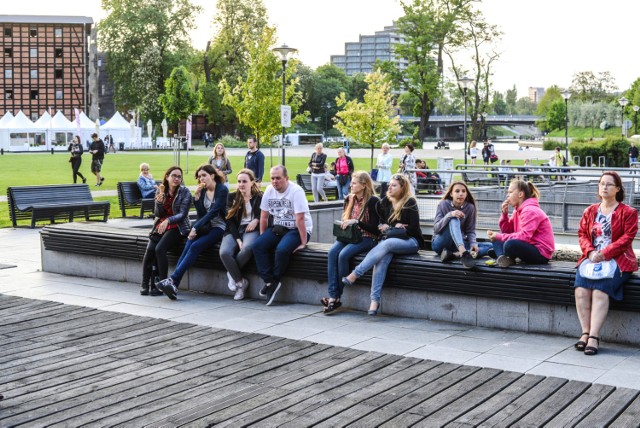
x=230, y=141
x=614, y=149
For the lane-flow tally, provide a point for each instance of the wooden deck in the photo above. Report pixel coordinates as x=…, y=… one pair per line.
x=63, y=365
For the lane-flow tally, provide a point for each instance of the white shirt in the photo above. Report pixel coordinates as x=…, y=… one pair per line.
x=284, y=206
x=384, y=167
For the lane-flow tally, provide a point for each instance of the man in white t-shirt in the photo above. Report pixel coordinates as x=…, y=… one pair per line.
x=286, y=204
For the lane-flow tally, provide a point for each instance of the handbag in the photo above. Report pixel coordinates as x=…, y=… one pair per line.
x=350, y=234
x=395, y=232
x=600, y=270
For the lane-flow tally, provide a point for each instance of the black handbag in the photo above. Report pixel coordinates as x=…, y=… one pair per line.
x=350, y=234
x=395, y=232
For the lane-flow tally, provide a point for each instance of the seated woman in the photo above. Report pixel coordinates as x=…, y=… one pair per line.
x=146, y=183
x=431, y=180
x=606, y=234
x=211, y=205
x=359, y=211
x=243, y=219
x=398, y=212
x=172, y=203
x=528, y=234
x=454, y=227
x=329, y=178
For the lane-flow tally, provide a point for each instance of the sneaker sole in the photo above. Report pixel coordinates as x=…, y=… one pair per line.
x=273, y=295
x=170, y=293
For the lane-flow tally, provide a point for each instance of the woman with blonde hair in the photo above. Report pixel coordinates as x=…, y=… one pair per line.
x=243, y=218
x=220, y=161
x=528, y=234
x=146, y=183
x=317, y=168
x=401, y=234
x=360, y=212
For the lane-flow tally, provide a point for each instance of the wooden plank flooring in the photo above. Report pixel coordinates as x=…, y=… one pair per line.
x=64, y=365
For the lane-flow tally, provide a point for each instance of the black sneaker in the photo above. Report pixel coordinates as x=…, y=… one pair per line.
x=272, y=290
x=263, y=290
x=446, y=256
x=492, y=253
x=101, y=180
x=171, y=291
x=467, y=260
x=155, y=292
x=144, y=291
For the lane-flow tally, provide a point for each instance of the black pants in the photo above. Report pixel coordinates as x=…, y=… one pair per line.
x=383, y=189
x=157, y=253
x=75, y=166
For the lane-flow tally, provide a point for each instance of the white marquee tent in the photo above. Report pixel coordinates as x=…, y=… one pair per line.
x=120, y=130
x=4, y=133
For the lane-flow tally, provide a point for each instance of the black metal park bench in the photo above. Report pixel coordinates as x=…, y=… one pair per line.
x=304, y=181
x=129, y=196
x=54, y=202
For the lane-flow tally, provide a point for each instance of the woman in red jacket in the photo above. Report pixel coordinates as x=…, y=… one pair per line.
x=606, y=234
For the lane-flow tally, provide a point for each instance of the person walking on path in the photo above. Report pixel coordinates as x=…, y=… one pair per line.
x=254, y=159
x=97, y=151
x=633, y=153
x=606, y=233
x=285, y=203
x=76, y=150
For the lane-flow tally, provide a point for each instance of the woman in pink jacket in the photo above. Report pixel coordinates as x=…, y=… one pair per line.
x=606, y=234
x=527, y=235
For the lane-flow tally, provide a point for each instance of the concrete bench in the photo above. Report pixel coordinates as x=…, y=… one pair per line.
x=54, y=202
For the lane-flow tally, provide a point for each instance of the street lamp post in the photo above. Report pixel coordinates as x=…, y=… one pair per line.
x=284, y=51
x=326, y=106
x=566, y=95
x=465, y=83
x=623, y=103
x=635, y=120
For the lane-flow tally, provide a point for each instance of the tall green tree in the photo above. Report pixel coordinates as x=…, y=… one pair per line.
x=144, y=40
x=256, y=99
x=180, y=98
x=369, y=122
x=511, y=98
x=589, y=87
x=428, y=27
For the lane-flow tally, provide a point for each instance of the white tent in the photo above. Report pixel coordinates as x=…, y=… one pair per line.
x=22, y=132
x=119, y=129
x=4, y=133
x=87, y=127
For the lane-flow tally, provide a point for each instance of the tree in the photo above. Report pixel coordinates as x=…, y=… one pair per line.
x=180, y=99
x=369, y=122
x=256, y=100
x=498, y=103
x=144, y=40
x=586, y=86
x=511, y=98
x=428, y=27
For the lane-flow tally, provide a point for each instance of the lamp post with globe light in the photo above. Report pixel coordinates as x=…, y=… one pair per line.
x=284, y=51
x=465, y=83
x=623, y=103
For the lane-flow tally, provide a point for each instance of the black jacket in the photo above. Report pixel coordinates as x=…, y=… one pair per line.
x=374, y=218
x=233, y=223
x=409, y=215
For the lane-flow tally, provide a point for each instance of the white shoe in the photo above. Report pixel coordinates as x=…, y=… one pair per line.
x=232, y=283
x=241, y=289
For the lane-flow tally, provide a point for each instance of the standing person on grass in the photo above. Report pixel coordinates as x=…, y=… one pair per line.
x=171, y=224
x=211, y=205
x=528, y=234
x=317, y=165
x=359, y=211
x=254, y=159
x=75, y=148
x=398, y=210
x=385, y=161
x=407, y=162
x=220, y=160
x=97, y=151
x=243, y=219
x=606, y=233
x=285, y=203
x=344, y=169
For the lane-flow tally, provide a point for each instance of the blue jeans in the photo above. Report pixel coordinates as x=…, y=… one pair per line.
x=344, y=189
x=338, y=264
x=514, y=248
x=380, y=257
x=271, y=268
x=192, y=249
x=450, y=238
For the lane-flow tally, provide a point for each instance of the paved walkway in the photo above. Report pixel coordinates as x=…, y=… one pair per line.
x=546, y=355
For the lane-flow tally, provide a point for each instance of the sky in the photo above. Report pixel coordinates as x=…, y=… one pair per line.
x=545, y=42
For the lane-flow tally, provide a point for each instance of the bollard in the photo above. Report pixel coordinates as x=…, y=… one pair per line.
x=51, y=150
x=1, y=151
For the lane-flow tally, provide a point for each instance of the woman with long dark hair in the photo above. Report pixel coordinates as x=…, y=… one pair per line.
x=211, y=205
x=243, y=219
x=76, y=150
x=171, y=211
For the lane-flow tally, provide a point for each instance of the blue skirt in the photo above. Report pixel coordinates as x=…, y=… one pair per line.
x=611, y=286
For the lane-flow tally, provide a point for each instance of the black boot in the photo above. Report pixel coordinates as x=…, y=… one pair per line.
x=144, y=287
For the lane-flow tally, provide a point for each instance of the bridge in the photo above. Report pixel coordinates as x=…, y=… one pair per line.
x=451, y=126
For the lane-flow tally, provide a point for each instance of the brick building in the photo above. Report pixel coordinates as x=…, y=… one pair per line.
x=46, y=64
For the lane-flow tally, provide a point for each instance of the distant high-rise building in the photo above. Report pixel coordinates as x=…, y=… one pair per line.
x=536, y=94
x=360, y=56
x=45, y=64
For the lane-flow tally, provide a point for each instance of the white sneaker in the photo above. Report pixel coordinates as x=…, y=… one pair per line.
x=232, y=283
x=241, y=289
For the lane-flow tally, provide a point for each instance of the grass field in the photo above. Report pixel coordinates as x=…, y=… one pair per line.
x=26, y=169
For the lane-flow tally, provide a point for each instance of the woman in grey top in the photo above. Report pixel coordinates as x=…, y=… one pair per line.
x=220, y=160
x=454, y=228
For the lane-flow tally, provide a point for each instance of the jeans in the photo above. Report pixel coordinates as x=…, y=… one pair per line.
x=450, y=238
x=344, y=189
x=338, y=264
x=192, y=249
x=271, y=268
x=514, y=248
x=380, y=257
x=234, y=260
x=317, y=187
x=156, y=252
